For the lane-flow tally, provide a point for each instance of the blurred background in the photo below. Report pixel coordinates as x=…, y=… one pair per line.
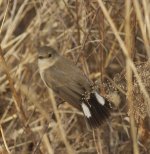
x=109, y=40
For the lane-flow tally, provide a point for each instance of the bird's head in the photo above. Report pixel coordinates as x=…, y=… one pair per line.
x=47, y=56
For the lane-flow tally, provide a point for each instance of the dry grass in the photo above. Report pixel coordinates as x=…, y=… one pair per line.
x=109, y=40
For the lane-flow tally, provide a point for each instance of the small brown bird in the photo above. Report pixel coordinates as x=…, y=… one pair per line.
x=70, y=84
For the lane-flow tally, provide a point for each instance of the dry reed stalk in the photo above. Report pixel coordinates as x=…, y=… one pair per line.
x=129, y=39
x=6, y=11
x=97, y=142
x=147, y=16
x=142, y=26
x=47, y=144
x=4, y=139
x=62, y=132
x=78, y=21
x=101, y=29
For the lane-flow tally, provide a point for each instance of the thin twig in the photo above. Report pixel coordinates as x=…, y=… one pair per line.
x=4, y=139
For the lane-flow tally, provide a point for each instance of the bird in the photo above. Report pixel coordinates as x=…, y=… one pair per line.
x=68, y=82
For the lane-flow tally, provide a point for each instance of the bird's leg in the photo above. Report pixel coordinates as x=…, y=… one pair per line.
x=59, y=101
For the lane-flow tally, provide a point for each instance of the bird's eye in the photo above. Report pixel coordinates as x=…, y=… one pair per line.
x=49, y=55
x=40, y=57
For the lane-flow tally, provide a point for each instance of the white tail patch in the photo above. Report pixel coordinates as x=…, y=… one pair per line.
x=86, y=110
x=100, y=99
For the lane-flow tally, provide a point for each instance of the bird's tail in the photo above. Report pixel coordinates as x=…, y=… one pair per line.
x=96, y=109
